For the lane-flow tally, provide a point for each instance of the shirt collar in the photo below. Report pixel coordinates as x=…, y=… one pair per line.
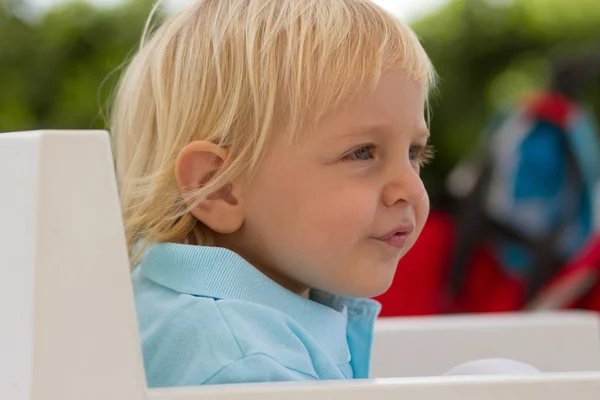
x=222, y=274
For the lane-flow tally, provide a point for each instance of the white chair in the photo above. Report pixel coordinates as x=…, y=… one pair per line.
x=69, y=329
x=429, y=346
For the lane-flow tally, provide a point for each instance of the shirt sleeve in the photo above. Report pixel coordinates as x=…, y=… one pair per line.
x=257, y=368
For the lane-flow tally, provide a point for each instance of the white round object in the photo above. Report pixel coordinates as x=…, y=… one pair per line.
x=494, y=366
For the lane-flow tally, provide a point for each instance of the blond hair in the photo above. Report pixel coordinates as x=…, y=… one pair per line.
x=237, y=73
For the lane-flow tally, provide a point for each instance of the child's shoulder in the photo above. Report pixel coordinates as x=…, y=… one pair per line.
x=194, y=340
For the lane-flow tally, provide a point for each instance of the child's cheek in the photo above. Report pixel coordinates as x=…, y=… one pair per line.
x=346, y=217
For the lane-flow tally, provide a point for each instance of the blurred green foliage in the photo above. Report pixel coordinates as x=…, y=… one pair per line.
x=58, y=70
x=490, y=52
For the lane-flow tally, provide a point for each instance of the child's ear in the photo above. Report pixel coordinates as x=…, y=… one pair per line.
x=196, y=164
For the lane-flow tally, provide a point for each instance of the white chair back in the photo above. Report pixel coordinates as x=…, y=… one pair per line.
x=69, y=328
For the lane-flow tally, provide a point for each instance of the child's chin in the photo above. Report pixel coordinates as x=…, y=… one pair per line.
x=368, y=289
x=377, y=291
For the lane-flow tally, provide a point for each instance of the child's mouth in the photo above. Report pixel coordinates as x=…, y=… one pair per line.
x=397, y=240
x=398, y=237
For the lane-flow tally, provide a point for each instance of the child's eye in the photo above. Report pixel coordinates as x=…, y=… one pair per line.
x=421, y=154
x=363, y=153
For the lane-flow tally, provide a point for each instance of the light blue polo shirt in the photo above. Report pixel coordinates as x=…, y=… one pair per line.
x=206, y=316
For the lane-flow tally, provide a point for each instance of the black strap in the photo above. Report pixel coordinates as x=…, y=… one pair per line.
x=471, y=223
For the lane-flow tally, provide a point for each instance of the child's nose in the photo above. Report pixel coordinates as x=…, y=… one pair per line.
x=405, y=186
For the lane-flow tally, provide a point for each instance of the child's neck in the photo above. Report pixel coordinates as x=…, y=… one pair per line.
x=281, y=279
x=272, y=273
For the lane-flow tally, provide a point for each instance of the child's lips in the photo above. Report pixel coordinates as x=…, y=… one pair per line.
x=397, y=237
x=397, y=240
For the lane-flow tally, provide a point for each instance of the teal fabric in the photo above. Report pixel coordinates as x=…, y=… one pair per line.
x=206, y=316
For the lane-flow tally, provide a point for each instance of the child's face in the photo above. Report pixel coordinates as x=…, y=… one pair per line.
x=340, y=209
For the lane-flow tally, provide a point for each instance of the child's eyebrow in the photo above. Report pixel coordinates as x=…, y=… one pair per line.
x=366, y=130
x=383, y=129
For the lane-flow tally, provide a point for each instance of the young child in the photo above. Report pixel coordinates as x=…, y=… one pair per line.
x=268, y=156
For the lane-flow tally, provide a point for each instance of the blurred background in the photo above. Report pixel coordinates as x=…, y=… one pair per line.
x=515, y=178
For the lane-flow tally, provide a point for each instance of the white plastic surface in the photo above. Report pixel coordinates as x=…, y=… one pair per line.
x=65, y=282
x=19, y=192
x=428, y=346
x=69, y=330
x=551, y=387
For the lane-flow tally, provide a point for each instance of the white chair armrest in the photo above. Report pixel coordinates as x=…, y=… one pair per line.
x=429, y=346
